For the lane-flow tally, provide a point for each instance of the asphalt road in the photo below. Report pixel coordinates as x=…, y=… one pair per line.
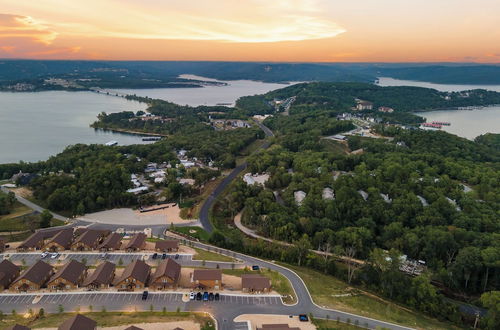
x=209, y=202
x=305, y=304
x=93, y=258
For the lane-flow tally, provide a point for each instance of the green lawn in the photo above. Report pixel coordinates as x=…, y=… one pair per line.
x=327, y=291
x=210, y=256
x=194, y=231
x=109, y=319
x=14, y=221
x=279, y=282
x=333, y=325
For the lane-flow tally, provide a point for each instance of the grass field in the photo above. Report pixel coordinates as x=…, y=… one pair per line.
x=328, y=291
x=210, y=256
x=279, y=283
x=194, y=231
x=108, y=319
x=333, y=325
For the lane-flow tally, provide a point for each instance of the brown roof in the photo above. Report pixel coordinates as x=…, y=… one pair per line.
x=133, y=327
x=168, y=268
x=71, y=272
x=207, y=274
x=277, y=327
x=63, y=238
x=7, y=270
x=166, y=245
x=78, y=322
x=103, y=274
x=36, y=273
x=138, y=269
x=33, y=240
x=18, y=327
x=112, y=241
x=255, y=282
x=137, y=241
x=89, y=238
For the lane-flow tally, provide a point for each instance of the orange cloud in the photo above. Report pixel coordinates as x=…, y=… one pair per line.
x=16, y=26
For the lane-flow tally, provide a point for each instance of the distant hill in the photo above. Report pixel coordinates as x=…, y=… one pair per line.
x=470, y=75
x=130, y=73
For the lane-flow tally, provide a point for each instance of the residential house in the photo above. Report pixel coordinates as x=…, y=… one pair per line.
x=88, y=241
x=102, y=277
x=61, y=241
x=167, y=246
x=18, y=327
x=32, y=243
x=207, y=279
x=8, y=273
x=33, y=278
x=363, y=105
x=386, y=109
x=70, y=276
x=78, y=322
x=111, y=243
x=255, y=283
x=135, y=275
x=166, y=275
x=136, y=243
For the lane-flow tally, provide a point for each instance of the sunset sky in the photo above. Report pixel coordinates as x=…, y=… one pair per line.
x=252, y=30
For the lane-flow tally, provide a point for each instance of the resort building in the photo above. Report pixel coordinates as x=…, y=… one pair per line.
x=166, y=275
x=70, y=276
x=33, y=278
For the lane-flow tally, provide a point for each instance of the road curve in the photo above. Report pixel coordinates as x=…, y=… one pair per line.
x=304, y=305
x=209, y=202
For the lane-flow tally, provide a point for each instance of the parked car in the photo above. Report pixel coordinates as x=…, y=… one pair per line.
x=217, y=297
x=199, y=296
x=104, y=256
x=176, y=256
x=145, y=295
x=255, y=267
x=205, y=296
x=192, y=296
x=43, y=255
x=54, y=255
x=303, y=318
x=211, y=296
x=164, y=256
x=155, y=256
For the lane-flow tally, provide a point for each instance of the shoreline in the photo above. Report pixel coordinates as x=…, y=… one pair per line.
x=122, y=130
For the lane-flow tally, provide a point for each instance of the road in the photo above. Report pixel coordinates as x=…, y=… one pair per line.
x=93, y=258
x=304, y=305
x=209, y=202
x=34, y=206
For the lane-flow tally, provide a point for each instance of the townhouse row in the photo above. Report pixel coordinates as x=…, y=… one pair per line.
x=136, y=275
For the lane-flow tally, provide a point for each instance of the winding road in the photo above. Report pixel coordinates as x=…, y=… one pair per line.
x=209, y=202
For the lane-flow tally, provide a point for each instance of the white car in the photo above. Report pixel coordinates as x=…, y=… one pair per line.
x=43, y=255
x=192, y=296
x=54, y=255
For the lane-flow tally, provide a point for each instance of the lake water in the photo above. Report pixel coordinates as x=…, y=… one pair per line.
x=210, y=95
x=34, y=126
x=464, y=123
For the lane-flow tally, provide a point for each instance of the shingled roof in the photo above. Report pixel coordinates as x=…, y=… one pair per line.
x=78, y=322
x=138, y=269
x=71, y=272
x=168, y=268
x=33, y=240
x=7, y=271
x=36, y=273
x=207, y=275
x=255, y=282
x=63, y=238
x=103, y=274
x=113, y=241
x=89, y=238
x=137, y=241
x=133, y=327
x=166, y=245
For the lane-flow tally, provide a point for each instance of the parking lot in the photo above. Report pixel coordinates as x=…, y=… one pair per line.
x=123, y=300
